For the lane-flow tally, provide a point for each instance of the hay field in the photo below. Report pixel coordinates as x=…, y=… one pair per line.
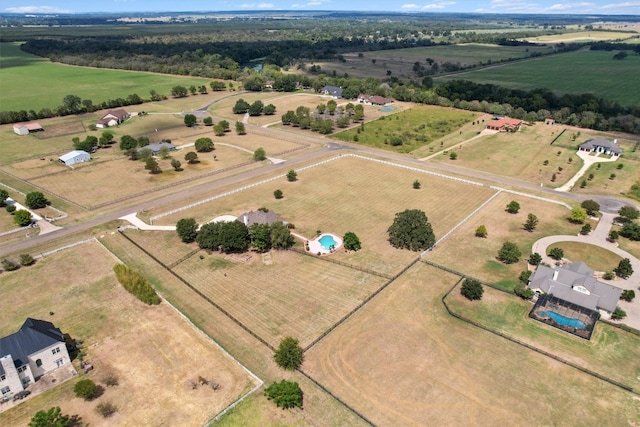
x=402, y=360
x=581, y=36
x=295, y=295
x=97, y=183
x=520, y=155
x=480, y=259
x=353, y=194
x=124, y=337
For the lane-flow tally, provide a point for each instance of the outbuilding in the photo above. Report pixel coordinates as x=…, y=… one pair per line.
x=75, y=156
x=26, y=128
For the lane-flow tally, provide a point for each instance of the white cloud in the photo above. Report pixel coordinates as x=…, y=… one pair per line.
x=311, y=4
x=624, y=5
x=37, y=9
x=410, y=6
x=437, y=5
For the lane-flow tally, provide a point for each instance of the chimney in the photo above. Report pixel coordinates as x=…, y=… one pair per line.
x=555, y=274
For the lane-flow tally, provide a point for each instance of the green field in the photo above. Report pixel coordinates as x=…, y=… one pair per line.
x=575, y=72
x=48, y=83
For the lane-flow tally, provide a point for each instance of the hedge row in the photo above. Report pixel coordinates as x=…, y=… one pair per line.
x=136, y=284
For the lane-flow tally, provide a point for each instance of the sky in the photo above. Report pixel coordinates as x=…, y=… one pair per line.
x=601, y=7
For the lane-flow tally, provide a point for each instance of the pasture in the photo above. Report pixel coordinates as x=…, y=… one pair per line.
x=338, y=197
x=121, y=336
x=582, y=37
x=49, y=82
x=604, y=184
x=409, y=130
x=520, y=155
x=574, y=72
x=401, y=61
x=453, y=373
x=502, y=226
x=609, y=352
x=599, y=259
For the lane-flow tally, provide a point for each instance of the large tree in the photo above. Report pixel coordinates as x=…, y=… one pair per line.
x=285, y=394
x=204, y=145
x=531, y=223
x=289, y=355
x=281, y=237
x=472, y=289
x=127, y=142
x=624, y=268
x=4, y=195
x=260, y=235
x=591, y=206
x=629, y=213
x=578, y=215
x=513, y=207
x=509, y=253
x=190, y=120
x=240, y=128
x=187, y=229
x=241, y=106
x=35, y=200
x=22, y=218
x=351, y=241
x=50, y=418
x=411, y=230
x=631, y=231
x=259, y=154
x=228, y=236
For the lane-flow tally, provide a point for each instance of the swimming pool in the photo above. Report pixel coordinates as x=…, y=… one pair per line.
x=327, y=242
x=562, y=320
x=387, y=109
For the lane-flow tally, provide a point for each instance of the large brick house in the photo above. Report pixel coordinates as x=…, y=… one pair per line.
x=35, y=350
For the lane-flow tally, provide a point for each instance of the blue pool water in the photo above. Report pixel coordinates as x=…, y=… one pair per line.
x=327, y=241
x=387, y=109
x=562, y=320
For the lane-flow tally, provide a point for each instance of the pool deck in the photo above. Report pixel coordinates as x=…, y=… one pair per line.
x=314, y=245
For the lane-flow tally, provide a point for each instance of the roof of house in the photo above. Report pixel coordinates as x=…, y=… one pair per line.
x=158, y=146
x=30, y=126
x=600, y=295
x=72, y=154
x=375, y=99
x=118, y=114
x=604, y=143
x=505, y=121
x=332, y=90
x=258, y=217
x=33, y=336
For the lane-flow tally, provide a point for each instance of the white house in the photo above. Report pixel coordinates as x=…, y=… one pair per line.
x=601, y=146
x=26, y=128
x=75, y=156
x=35, y=350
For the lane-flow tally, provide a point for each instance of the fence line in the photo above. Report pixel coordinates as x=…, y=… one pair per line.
x=344, y=264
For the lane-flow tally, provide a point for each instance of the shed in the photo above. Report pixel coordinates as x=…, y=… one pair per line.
x=75, y=156
x=26, y=128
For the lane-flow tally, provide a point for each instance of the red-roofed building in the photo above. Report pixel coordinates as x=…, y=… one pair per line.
x=113, y=118
x=26, y=128
x=505, y=124
x=373, y=99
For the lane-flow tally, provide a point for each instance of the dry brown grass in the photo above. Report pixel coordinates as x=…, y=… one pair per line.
x=402, y=360
x=353, y=194
x=476, y=256
x=123, y=336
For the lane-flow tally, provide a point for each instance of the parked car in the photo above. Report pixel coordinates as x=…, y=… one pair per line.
x=21, y=394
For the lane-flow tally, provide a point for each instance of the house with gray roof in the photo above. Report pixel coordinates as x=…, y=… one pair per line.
x=155, y=148
x=35, y=350
x=334, y=91
x=258, y=217
x=601, y=146
x=575, y=283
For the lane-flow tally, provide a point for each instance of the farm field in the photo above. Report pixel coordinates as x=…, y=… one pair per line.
x=401, y=61
x=520, y=155
x=410, y=130
x=574, y=72
x=337, y=197
x=121, y=336
x=599, y=259
x=581, y=36
x=49, y=82
x=454, y=373
x=609, y=352
x=501, y=226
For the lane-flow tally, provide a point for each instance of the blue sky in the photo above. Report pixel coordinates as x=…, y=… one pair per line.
x=612, y=7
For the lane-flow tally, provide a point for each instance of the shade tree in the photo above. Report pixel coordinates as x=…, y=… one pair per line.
x=411, y=230
x=509, y=253
x=513, y=207
x=591, y=206
x=187, y=229
x=289, y=355
x=204, y=145
x=351, y=241
x=472, y=289
x=36, y=200
x=190, y=120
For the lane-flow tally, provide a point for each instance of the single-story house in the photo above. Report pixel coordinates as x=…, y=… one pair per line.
x=334, y=91
x=35, y=350
x=26, y=128
x=363, y=98
x=155, y=148
x=549, y=121
x=258, y=217
x=75, y=156
x=601, y=146
x=505, y=124
x=113, y=118
x=575, y=283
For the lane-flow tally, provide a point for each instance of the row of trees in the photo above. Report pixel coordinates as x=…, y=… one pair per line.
x=255, y=109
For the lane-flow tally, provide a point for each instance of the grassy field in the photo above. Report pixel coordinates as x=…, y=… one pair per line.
x=520, y=155
x=403, y=360
x=122, y=336
x=609, y=352
x=417, y=127
x=604, y=184
x=581, y=36
x=401, y=61
x=338, y=197
x=574, y=72
x=49, y=83
x=501, y=226
x=599, y=259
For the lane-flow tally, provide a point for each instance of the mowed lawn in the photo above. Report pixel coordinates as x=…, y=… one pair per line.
x=402, y=360
x=610, y=351
x=592, y=72
x=520, y=155
x=352, y=194
x=476, y=256
x=49, y=83
x=122, y=336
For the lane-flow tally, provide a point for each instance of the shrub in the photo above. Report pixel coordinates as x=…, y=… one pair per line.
x=133, y=282
x=618, y=314
x=481, y=231
x=106, y=409
x=110, y=380
x=284, y=394
x=524, y=276
x=204, y=145
x=578, y=215
x=278, y=194
x=22, y=218
x=35, y=200
x=535, y=258
x=292, y=176
x=523, y=292
x=624, y=268
x=608, y=275
x=513, y=207
x=187, y=229
x=11, y=209
x=9, y=265
x=50, y=418
x=351, y=241
x=453, y=155
x=289, y=355
x=416, y=184
x=613, y=236
x=591, y=206
x=85, y=389
x=27, y=260
x=586, y=229
x=509, y=253
x=259, y=155
x=628, y=295
x=472, y=289
x=556, y=253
